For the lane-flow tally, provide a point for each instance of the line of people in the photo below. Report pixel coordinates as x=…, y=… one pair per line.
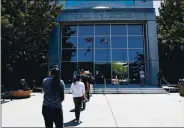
x=53, y=97
x=80, y=89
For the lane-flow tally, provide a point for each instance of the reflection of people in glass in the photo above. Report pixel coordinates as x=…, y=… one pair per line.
x=142, y=76
x=159, y=77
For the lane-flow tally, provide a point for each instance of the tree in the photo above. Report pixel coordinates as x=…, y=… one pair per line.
x=170, y=38
x=26, y=25
x=119, y=69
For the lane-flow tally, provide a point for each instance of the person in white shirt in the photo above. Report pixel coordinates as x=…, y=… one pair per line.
x=142, y=76
x=78, y=90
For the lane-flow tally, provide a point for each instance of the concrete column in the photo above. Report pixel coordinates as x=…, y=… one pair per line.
x=54, y=47
x=153, y=51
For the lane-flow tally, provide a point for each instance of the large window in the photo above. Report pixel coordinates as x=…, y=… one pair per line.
x=119, y=41
x=86, y=30
x=115, y=51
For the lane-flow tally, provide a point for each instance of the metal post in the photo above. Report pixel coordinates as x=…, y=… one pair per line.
x=104, y=85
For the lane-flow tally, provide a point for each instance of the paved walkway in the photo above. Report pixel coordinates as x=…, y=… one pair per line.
x=112, y=110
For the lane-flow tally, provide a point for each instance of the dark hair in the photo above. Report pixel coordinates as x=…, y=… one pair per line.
x=56, y=78
x=77, y=78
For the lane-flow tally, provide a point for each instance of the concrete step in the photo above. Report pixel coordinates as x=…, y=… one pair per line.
x=127, y=91
x=172, y=89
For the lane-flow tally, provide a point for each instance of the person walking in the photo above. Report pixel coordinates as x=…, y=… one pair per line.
x=91, y=83
x=78, y=90
x=85, y=80
x=53, y=89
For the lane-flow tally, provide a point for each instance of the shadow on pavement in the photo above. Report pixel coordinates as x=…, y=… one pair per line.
x=3, y=102
x=17, y=98
x=73, y=110
x=71, y=123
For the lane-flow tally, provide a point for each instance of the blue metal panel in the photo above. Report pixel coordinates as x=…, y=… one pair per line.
x=153, y=51
x=53, y=47
x=112, y=3
x=107, y=14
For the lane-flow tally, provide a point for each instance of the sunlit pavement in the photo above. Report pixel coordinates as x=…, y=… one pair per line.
x=112, y=110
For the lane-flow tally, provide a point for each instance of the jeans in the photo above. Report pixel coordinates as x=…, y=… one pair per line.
x=77, y=102
x=52, y=115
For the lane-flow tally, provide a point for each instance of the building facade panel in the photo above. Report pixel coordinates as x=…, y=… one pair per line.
x=116, y=43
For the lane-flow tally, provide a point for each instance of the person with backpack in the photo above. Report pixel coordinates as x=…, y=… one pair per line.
x=53, y=89
x=78, y=90
x=85, y=80
x=91, y=83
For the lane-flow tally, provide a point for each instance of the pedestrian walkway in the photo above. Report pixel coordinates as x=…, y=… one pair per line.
x=111, y=110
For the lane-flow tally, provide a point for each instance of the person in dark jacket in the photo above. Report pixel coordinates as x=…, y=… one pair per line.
x=159, y=78
x=91, y=82
x=85, y=80
x=53, y=89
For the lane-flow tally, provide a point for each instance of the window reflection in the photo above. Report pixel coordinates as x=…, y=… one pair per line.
x=86, y=66
x=102, y=69
x=119, y=41
x=67, y=71
x=135, y=41
x=135, y=30
x=102, y=30
x=69, y=42
x=119, y=55
x=85, y=55
x=126, y=63
x=69, y=30
x=86, y=30
x=119, y=73
x=69, y=55
x=136, y=55
x=85, y=42
x=134, y=71
x=102, y=42
x=118, y=30
x=102, y=55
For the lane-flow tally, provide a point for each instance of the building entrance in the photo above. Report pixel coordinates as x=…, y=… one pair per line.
x=114, y=51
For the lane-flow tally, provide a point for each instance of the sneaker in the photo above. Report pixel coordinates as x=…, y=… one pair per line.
x=78, y=121
x=82, y=109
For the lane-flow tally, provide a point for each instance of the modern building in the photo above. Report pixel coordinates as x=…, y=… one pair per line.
x=115, y=39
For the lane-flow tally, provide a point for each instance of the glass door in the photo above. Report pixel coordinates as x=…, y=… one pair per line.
x=102, y=70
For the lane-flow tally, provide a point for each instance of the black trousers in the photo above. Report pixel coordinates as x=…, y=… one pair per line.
x=87, y=95
x=52, y=115
x=77, y=102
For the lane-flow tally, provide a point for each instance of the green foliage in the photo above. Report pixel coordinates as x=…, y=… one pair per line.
x=119, y=69
x=171, y=37
x=171, y=23
x=26, y=25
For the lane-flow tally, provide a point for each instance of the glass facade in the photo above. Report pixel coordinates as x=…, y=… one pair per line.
x=77, y=2
x=115, y=51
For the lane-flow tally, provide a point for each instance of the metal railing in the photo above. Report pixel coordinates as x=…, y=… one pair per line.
x=169, y=84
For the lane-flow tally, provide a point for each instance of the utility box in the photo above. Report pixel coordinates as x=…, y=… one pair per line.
x=181, y=87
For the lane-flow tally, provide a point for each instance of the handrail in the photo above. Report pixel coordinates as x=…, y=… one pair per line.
x=168, y=84
x=165, y=81
x=105, y=86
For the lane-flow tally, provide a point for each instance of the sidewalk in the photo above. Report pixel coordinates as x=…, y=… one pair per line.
x=111, y=110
